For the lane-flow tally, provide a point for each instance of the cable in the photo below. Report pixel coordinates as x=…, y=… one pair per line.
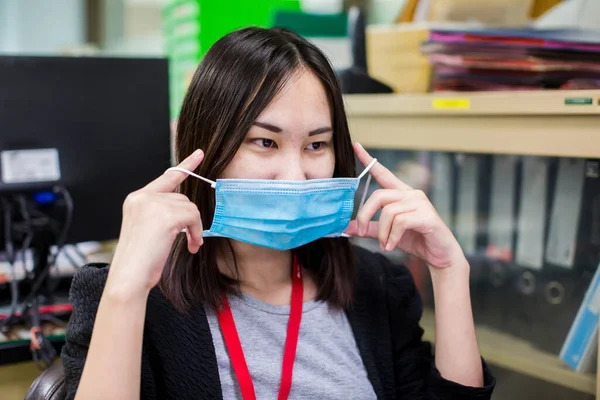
x=62, y=238
x=34, y=222
x=26, y=229
x=8, y=243
x=24, y=212
x=41, y=349
x=10, y=256
x=67, y=223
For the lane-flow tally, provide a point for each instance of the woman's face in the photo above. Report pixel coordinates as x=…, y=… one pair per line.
x=292, y=138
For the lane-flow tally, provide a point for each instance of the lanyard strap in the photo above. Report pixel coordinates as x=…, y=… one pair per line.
x=234, y=346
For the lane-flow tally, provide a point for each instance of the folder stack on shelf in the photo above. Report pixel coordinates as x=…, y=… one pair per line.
x=513, y=59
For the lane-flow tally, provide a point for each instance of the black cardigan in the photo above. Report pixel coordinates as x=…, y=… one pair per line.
x=178, y=357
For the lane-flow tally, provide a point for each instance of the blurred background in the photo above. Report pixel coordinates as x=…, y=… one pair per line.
x=491, y=107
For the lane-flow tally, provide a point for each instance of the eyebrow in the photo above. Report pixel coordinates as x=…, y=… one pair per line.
x=277, y=129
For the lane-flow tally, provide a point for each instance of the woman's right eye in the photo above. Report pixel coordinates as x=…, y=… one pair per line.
x=267, y=143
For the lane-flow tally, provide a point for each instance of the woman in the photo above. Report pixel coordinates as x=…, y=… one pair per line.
x=266, y=303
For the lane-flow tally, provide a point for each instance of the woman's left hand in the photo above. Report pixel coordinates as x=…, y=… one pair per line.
x=408, y=220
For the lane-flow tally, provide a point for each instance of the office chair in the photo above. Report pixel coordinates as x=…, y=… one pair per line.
x=50, y=385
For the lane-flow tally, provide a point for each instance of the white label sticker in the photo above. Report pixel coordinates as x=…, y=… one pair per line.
x=27, y=166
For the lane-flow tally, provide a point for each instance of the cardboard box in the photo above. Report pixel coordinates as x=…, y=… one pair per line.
x=394, y=57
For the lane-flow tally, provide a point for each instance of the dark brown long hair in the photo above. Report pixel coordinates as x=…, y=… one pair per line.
x=237, y=79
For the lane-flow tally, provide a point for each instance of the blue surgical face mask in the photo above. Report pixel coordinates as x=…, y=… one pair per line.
x=282, y=215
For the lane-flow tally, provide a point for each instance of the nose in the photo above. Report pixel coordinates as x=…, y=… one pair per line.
x=291, y=169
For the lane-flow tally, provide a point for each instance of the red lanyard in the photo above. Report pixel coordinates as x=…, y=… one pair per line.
x=234, y=347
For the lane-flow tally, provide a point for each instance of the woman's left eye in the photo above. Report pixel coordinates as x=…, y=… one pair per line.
x=315, y=146
x=267, y=143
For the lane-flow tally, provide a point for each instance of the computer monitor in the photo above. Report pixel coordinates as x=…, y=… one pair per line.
x=76, y=136
x=97, y=126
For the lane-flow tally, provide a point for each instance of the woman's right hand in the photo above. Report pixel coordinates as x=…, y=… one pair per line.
x=152, y=218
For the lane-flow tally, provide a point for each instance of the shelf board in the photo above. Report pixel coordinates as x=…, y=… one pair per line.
x=527, y=123
x=539, y=102
x=509, y=352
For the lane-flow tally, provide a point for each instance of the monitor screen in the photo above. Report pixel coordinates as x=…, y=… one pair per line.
x=97, y=126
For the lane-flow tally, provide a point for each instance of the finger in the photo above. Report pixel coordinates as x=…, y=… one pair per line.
x=378, y=200
x=170, y=180
x=194, y=231
x=388, y=219
x=189, y=218
x=383, y=176
x=352, y=228
x=402, y=223
x=371, y=232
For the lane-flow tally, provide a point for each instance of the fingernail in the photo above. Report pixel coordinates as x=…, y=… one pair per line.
x=197, y=153
x=388, y=247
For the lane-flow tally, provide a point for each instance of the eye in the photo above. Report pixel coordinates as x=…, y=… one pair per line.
x=267, y=143
x=315, y=146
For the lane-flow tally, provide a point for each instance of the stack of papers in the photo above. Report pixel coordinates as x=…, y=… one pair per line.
x=514, y=59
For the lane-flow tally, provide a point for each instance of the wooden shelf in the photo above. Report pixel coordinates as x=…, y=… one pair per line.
x=541, y=123
x=549, y=102
x=506, y=351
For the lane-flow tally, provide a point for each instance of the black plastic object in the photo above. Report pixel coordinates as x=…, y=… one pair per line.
x=108, y=119
x=356, y=79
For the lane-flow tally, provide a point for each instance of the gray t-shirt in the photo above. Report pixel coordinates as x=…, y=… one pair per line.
x=328, y=364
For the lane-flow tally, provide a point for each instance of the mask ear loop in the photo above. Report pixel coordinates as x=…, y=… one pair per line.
x=366, y=190
x=213, y=184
